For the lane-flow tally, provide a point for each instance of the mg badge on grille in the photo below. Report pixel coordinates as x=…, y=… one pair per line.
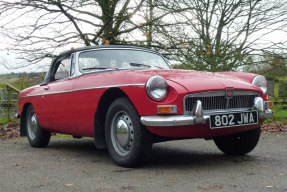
x=228, y=96
x=228, y=93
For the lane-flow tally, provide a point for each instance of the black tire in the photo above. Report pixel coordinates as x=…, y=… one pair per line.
x=238, y=144
x=128, y=141
x=37, y=136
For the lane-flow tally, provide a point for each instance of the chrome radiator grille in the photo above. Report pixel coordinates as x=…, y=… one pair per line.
x=217, y=100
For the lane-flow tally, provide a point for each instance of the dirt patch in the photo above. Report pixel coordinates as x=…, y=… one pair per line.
x=275, y=127
x=9, y=131
x=12, y=130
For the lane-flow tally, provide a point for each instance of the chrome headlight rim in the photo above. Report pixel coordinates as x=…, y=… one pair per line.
x=150, y=88
x=255, y=82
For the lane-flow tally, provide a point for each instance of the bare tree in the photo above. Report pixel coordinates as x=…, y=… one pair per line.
x=222, y=35
x=269, y=64
x=154, y=16
x=37, y=29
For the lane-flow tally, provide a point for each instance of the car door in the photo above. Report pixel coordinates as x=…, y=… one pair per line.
x=57, y=100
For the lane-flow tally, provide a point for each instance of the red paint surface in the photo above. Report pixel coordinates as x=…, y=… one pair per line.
x=73, y=112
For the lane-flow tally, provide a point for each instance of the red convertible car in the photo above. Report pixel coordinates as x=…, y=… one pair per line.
x=128, y=98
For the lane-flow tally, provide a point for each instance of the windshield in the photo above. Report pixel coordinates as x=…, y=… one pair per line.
x=119, y=59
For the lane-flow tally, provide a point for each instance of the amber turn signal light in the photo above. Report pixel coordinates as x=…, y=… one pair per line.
x=167, y=108
x=268, y=104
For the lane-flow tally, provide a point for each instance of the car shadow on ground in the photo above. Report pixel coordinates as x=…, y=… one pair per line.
x=162, y=156
x=85, y=147
x=177, y=157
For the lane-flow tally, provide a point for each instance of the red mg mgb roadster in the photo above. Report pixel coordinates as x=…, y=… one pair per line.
x=128, y=98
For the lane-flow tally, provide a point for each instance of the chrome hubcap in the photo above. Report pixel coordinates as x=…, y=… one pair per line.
x=32, y=125
x=122, y=133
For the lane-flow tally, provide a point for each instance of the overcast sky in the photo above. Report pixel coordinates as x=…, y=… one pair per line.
x=13, y=64
x=43, y=66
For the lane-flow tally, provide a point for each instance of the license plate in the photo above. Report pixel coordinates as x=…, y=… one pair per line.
x=233, y=119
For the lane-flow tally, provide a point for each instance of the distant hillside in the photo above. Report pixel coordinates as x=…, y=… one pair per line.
x=22, y=80
x=8, y=78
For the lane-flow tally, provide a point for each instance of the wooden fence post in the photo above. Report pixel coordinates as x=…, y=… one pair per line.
x=276, y=95
x=9, y=97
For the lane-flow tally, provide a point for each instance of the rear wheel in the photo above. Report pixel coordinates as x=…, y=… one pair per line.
x=127, y=140
x=239, y=143
x=37, y=136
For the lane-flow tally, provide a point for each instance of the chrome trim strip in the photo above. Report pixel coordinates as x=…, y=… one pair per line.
x=119, y=48
x=91, y=88
x=222, y=93
x=208, y=112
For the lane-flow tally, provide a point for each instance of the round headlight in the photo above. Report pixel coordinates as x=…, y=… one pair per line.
x=156, y=88
x=261, y=82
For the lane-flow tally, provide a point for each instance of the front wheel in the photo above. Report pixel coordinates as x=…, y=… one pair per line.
x=37, y=136
x=239, y=143
x=128, y=142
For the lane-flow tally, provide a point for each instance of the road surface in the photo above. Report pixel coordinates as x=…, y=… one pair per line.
x=69, y=164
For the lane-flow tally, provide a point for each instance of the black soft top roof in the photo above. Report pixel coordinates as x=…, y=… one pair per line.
x=65, y=54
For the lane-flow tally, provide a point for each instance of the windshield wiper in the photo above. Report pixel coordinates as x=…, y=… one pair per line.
x=90, y=68
x=158, y=67
x=140, y=64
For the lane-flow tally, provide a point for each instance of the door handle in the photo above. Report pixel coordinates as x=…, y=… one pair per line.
x=46, y=88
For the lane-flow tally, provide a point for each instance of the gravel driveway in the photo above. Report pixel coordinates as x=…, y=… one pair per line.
x=69, y=164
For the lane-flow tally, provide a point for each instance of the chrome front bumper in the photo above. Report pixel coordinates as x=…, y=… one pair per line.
x=17, y=115
x=180, y=120
x=199, y=117
x=168, y=121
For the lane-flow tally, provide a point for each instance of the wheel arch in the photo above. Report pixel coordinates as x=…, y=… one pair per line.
x=100, y=115
x=23, y=120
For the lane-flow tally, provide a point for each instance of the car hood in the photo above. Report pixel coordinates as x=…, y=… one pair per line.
x=192, y=81
x=197, y=81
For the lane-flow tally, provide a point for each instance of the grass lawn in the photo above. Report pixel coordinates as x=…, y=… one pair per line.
x=281, y=111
